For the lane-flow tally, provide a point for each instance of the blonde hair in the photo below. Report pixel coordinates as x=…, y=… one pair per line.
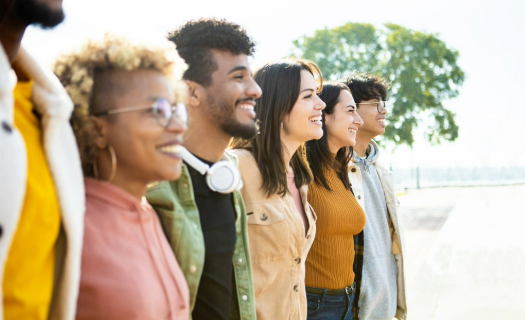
x=76, y=71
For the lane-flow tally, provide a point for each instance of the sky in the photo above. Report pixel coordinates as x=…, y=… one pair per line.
x=488, y=35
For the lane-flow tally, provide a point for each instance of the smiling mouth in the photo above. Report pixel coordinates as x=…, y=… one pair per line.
x=246, y=106
x=315, y=119
x=381, y=120
x=353, y=131
x=174, y=149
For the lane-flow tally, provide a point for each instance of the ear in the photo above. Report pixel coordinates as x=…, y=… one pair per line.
x=196, y=93
x=98, y=131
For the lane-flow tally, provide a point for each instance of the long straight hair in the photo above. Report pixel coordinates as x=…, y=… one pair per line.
x=280, y=83
x=318, y=152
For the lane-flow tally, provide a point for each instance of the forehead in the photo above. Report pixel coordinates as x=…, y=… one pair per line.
x=226, y=61
x=346, y=98
x=307, y=80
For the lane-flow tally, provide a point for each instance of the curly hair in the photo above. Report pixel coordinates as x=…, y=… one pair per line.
x=79, y=72
x=365, y=86
x=196, y=38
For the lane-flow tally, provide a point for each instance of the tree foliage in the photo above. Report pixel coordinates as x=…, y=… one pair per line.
x=422, y=69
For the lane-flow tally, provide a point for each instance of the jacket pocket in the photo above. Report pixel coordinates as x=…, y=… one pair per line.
x=268, y=232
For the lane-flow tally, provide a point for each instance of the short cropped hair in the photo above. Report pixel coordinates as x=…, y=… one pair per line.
x=365, y=86
x=79, y=70
x=195, y=39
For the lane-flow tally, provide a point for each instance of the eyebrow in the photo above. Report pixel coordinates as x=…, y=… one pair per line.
x=238, y=68
x=351, y=105
x=307, y=89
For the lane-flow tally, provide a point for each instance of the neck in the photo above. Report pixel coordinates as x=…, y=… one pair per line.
x=206, y=141
x=360, y=146
x=11, y=33
x=289, y=148
x=123, y=179
x=136, y=188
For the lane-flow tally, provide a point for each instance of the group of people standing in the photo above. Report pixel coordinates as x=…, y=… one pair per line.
x=164, y=180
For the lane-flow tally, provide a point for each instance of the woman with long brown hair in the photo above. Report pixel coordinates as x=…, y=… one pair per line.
x=330, y=279
x=281, y=223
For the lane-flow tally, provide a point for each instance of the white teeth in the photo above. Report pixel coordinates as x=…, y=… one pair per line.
x=315, y=119
x=381, y=120
x=246, y=107
x=174, y=149
x=352, y=130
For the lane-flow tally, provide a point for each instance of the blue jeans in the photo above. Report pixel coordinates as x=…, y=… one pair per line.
x=327, y=306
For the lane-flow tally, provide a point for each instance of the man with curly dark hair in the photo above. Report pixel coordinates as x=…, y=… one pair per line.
x=208, y=227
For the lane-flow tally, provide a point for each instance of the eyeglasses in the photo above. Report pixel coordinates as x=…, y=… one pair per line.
x=162, y=109
x=382, y=106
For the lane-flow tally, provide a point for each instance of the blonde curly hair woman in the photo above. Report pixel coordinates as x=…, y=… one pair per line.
x=128, y=122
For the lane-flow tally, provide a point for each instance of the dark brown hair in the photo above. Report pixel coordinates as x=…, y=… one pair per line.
x=365, y=86
x=280, y=83
x=318, y=151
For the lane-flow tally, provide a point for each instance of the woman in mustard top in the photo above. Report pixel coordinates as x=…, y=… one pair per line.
x=129, y=130
x=330, y=285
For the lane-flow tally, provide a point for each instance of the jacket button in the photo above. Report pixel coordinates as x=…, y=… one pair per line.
x=297, y=260
x=244, y=298
x=239, y=261
x=7, y=128
x=353, y=169
x=193, y=269
x=296, y=288
x=359, y=196
x=264, y=217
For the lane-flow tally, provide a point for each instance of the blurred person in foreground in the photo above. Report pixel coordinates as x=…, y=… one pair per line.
x=382, y=287
x=128, y=125
x=42, y=194
x=202, y=213
x=281, y=222
x=330, y=286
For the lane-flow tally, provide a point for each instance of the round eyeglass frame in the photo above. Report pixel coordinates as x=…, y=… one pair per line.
x=383, y=104
x=178, y=110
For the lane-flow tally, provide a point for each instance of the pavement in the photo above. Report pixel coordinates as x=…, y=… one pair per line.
x=465, y=254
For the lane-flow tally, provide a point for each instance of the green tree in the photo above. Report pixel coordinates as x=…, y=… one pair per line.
x=422, y=69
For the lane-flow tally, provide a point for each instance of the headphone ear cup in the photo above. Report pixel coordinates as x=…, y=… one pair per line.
x=223, y=177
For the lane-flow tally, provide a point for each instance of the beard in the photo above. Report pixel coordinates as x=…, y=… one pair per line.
x=37, y=13
x=224, y=114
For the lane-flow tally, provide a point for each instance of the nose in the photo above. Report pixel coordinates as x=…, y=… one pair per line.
x=358, y=120
x=319, y=104
x=253, y=90
x=177, y=126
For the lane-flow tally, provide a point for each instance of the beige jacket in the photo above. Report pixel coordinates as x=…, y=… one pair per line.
x=278, y=245
x=398, y=245
x=53, y=103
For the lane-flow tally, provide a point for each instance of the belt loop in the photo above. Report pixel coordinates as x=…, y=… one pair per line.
x=324, y=295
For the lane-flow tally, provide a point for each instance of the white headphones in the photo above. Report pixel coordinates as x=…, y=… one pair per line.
x=222, y=177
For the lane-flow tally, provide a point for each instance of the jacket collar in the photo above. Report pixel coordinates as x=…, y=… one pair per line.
x=49, y=97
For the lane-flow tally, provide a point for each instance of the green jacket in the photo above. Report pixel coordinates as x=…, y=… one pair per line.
x=175, y=205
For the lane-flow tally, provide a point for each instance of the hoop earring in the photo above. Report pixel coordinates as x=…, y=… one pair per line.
x=113, y=165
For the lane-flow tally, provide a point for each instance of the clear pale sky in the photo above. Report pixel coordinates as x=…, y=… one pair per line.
x=488, y=34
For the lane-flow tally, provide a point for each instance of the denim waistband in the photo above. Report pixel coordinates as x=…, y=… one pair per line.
x=347, y=290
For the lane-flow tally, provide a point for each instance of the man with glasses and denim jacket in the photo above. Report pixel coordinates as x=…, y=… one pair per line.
x=207, y=226
x=382, y=285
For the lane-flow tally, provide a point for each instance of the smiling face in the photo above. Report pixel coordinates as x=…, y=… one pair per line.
x=374, y=122
x=303, y=123
x=231, y=97
x=145, y=150
x=343, y=124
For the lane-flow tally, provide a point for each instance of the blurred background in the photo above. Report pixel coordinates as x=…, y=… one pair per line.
x=455, y=141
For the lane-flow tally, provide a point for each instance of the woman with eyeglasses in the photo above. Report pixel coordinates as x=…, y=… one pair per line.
x=273, y=165
x=330, y=278
x=129, y=130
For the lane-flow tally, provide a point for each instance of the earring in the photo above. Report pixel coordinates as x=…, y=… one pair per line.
x=113, y=165
x=282, y=125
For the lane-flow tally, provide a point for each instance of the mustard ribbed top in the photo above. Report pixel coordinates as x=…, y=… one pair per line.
x=329, y=264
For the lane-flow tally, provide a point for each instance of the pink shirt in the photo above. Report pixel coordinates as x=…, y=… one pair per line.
x=128, y=268
x=297, y=199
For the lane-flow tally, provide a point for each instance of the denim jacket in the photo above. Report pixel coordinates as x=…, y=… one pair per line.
x=175, y=205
